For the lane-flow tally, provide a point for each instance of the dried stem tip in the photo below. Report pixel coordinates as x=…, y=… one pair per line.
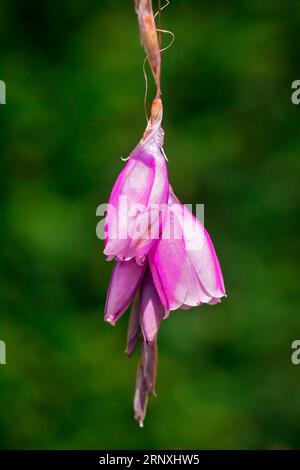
x=149, y=38
x=156, y=110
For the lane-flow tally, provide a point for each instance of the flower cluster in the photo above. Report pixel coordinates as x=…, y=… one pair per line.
x=176, y=269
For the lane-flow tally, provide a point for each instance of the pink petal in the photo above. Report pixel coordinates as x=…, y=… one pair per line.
x=183, y=262
x=169, y=268
x=134, y=327
x=124, y=282
x=202, y=256
x=149, y=362
x=142, y=183
x=151, y=309
x=133, y=186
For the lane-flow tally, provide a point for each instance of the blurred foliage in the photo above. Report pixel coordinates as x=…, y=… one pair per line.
x=73, y=71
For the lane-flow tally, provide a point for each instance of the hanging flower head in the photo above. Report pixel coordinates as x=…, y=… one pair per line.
x=182, y=271
x=164, y=257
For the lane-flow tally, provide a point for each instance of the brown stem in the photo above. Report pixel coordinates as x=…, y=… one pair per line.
x=149, y=38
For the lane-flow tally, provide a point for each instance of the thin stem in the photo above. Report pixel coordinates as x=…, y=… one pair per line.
x=159, y=22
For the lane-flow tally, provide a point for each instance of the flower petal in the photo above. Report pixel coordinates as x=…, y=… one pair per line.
x=134, y=327
x=142, y=184
x=149, y=362
x=202, y=255
x=184, y=265
x=124, y=282
x=169, y=265
x=151, y=309
x=132, y=187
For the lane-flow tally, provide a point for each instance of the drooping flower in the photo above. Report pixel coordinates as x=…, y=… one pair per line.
x=182, y=271
x=165, y=259
x=141, y=186
x=184, y=265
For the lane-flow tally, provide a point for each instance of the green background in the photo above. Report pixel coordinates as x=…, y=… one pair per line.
x=73, y=70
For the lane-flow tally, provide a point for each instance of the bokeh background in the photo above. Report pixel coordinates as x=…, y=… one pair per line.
x=73, y=70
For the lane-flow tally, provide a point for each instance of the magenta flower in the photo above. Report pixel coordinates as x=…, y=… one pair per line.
x=184, y=265
x=165, y=259
x=182, y=271
x=142, y=185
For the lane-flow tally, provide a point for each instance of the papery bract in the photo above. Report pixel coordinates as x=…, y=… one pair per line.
x=149, y=37
x=149, y=363
x=140, y=400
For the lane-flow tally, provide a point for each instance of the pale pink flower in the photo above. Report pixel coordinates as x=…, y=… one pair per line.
x=143, y=184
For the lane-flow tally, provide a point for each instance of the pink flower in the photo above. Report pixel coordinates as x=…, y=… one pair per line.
x=165, y=259
x=182, y=271
x=184, y=265
x=142, y=185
